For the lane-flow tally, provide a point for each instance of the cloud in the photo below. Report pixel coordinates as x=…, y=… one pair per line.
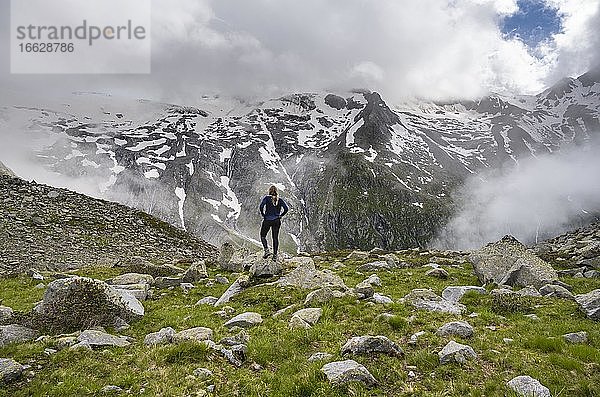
x=537, y=199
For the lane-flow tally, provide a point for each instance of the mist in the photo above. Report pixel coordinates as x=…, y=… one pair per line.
x=539, y=198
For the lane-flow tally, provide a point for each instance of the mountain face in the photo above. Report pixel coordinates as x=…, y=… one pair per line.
x=355, y=171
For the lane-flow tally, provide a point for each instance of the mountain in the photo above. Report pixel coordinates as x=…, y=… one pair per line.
x=356, y=171
x=55, y=229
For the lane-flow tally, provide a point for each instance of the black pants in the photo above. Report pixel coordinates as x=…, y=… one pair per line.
x=264, y=229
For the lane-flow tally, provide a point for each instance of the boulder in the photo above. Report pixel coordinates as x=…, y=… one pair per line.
x=526, y=386
x=16, y=334
x=374, y=267
x=197, y=334
x=437, y=272
x=456, y=328
x=10, y=370
x=381, y=299
x=374, y=280
x=529, y=291
x=342, y=372
x=196, y=272
x=131, y=278
x=322, y=295
x=139, y=291
x=208, y=300
x=234, y=289
x=244, y=320
x=162, y=337
x=509, y=262
x=303, y=317
x=556, y=291
x=455, y=352
x=590, y=304
x=167, y=282
x=241, y=338
x=576, y=337
x=368, y=345
x=265, y=267
x=6, y=314
x=79, y=302
x=426, y=299
x=364, y=290
x=95, y=338
x=306, y=276
x=358, y=256
x=455, y=293
x=320, y=356
x=137, y=264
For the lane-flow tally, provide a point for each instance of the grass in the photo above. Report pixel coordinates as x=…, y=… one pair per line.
x=537, y=349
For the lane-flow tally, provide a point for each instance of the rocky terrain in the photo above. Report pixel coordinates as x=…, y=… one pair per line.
x=491, y=322
x=47, y=228
x=357, y=171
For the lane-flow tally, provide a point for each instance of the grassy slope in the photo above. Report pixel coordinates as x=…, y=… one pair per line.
x=537, y=350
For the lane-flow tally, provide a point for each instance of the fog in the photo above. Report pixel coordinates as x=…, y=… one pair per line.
x=537, y=199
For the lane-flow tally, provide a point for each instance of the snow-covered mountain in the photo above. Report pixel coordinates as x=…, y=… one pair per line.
x=356, y=171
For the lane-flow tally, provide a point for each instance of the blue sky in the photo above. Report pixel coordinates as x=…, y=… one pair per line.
x=533, y=23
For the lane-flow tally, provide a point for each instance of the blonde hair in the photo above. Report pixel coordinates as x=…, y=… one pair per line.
x=274, y=195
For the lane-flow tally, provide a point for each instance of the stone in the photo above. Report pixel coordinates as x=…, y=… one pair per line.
x=298, y=323
x=321, y=296
x=374, y=280
x=221, y=279
x=241, y=338
x=167, y=282
x=455, y=352
x=341, y=372
x=310, y=315
x=364, y=290
x=203, y=374
x=111, y=389
x=137, y=264
x=306, y=276
x=358, y=256
x=367, y=345
x=320, y=356
x=426, y=299
x=244, y=320
x=196, y=334
x=131, y=278
x=80, y=302
x=529, y=291
x=415, y=337
x=227, y=353
x=374, y=267
x=509, y=262
x=456, y=328
x=186, y=287
x=437, y=272
x=556, y=291
x=455, y=293
x=80, y=345
x=10, y=370
x=162, y=337
x=15, y=333
x=96, y=338
x=590, y=304
x=592, y=274
x=6, y=314
x=196, y=272
x=381, y=299
x=65, y=341
x=526, y=386
x=391, y=259
x=576, y=337
x=265, y=267
x=139, y=291
x=532, y=316
x=234, y=289
x=208, y=300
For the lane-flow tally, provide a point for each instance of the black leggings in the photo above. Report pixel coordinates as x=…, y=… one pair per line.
x=264, y=229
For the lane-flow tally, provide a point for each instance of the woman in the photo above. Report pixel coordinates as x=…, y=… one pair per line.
x=270, y=208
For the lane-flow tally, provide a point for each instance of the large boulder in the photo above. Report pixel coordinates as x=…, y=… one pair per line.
x=342, y=372
x=261, y=267
x=306, y=276
x=368, y=345
x=456, y=353
x=234, y=289
x=426, y=299
x=79, y=303
x=16, y=334
x=245, y=320
x=526, y=386
x=10, y=370
x=590, y=304
x=456, y=328
x=196, y=272
x=508, y=262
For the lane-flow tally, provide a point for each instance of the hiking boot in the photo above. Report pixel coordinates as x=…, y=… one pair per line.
x=266, y=254
x=275, y=257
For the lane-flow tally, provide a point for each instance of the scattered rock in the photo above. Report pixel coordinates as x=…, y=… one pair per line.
x=111, y=389
x=234, y=289
x=455, y=352
x=364, y=290
x=529, y=291
x=532, y=316
x=139, y=291
x=6, y=314
x=306, y=318
x=526, y=386
x=455, y=293
x=196, y=334
x=456, y=328
x=576, y=337
x=306, y=276
x=131, y=278
x=203, y=374
x=96, y=338
x=437, y=272
x=167, y=282
x=414, y=337
x=374, y=267
x=162, y=337
x=320, y=356
x=342, y=372
x=10, y=370
x=322, y=295
x=245, y=320
x=426, y=299
x=556, y=291
x=265, y=267
x=241, y=338
x=221, y=279
x=590, y=304
x=16, y=334
x=358, y=256
x=374, y=280
x=368, y=345
x=381, y=299
x=196, y=272
x=209, y=300
x=137, y=264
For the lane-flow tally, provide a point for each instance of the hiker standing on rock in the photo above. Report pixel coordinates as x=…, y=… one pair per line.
x=270, y=208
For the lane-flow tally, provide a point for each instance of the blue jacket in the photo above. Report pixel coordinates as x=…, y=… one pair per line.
x=272, y=212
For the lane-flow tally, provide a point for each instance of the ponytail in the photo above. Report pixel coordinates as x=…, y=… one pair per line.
x=274, y=195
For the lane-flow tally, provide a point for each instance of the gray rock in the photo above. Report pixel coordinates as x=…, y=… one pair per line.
x=358, y=256
x=162, y=337
x=391, y=260
x=374, y=267
x=590, y=304
x=196, y=334
x=322, y=295
x=10, y=370
x=80, y=302
x=309, y=316
x=265, y=267
x=364, y=290
x=241, y=338
x=298, y=323
x=437, y=272
x=529, y=291
x=456, y=328
x=320, y=356
x=227, y=353
x=556, y=291
x=426, y=299
x=221, y=279
x=455, y=352
x=16, y=334
x=196, y=272
x=234, y=289
x=6, y=314
x=415, y=337
x=209, y=300
x=509, y=262
x=576, y=337
x=374, y=280
x=532, y=316
x=244, y=320
x=455, y=293
x=381, y=299
x=139, y=291
x=306, y=276
x=368, y=345
x=592, y=274
x=140, y=265
x=342, y=372
x=167, y=282
x=96, y=338
x=111, y=389
x=132, y=278
x=203, y=374
x=526, y=386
